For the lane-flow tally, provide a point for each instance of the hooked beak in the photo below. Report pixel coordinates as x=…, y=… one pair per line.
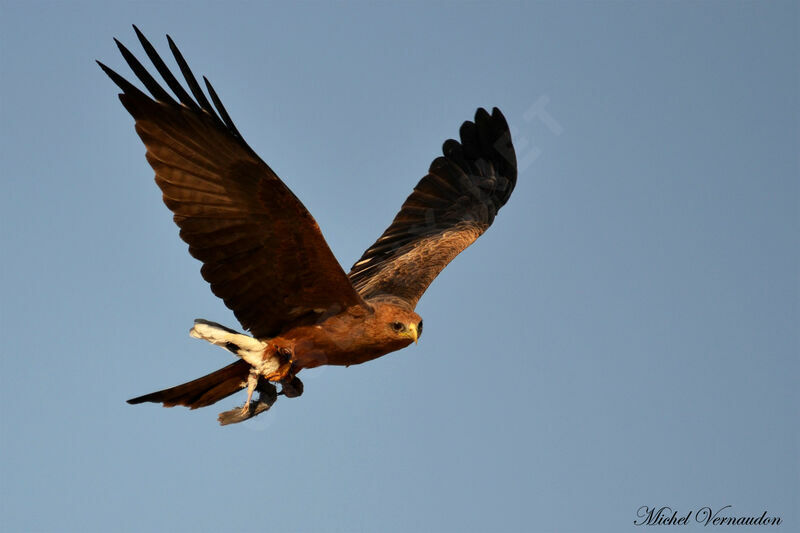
x=412, y=328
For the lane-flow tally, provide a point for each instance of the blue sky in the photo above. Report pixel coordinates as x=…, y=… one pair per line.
x=624, y=335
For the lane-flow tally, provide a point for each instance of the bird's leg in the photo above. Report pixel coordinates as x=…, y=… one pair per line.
x=267, y=395
x=252, y=381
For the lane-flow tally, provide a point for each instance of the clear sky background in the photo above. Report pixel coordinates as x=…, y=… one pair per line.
x=626, y=334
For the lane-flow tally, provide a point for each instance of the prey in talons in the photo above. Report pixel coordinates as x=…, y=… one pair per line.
x=269, y=363
x=267, y=396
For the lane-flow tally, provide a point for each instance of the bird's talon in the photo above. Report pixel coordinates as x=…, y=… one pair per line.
x=281, y=373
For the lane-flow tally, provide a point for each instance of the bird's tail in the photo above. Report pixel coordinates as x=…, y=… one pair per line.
x=203, y=391
x=212, y=388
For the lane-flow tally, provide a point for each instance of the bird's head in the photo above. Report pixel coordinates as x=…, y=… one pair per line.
x=398, y=324
x=409, y=329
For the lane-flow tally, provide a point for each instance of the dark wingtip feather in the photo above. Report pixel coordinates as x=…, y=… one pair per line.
x=503, y=144
x=147, y=80
x=499, y=117
x=468, y=133
x=141, y=399
x=487, y=137
x=166, y=74
x=481, y=115
x=199, y=96
x=220, y=108
x=126, y=86
x=136, y=101
x=223, y=113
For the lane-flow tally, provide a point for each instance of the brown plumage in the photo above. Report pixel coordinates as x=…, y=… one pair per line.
x=264, y=255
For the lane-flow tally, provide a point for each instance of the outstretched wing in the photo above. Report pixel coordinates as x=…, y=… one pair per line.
x=450, y=207
x=262, y=251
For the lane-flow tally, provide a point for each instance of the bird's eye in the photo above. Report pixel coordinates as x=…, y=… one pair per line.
x=398, y=326
x=419, y=328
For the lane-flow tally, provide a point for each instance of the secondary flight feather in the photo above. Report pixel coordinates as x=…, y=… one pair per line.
x=264, y=255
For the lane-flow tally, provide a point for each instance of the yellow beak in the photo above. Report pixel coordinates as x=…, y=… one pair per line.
x=412, y=328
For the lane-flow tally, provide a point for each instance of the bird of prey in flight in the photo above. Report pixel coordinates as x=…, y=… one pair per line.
x=265, y=257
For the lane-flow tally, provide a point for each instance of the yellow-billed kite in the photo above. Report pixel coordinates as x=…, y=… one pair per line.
x=264, y=255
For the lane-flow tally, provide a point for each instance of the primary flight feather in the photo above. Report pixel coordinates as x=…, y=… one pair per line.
x=263, y=252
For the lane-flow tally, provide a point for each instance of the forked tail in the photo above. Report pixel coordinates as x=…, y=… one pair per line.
x=203, y=391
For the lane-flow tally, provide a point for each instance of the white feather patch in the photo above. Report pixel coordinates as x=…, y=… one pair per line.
x=248, y=348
